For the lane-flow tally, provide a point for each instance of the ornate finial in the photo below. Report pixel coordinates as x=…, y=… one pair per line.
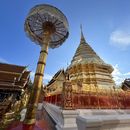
x=82, y=36
x=81, y=27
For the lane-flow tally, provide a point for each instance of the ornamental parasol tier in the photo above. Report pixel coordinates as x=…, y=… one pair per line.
x=48, y=27
x=45, y=17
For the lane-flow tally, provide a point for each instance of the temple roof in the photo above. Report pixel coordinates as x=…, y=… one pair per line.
x=54, y=78
x=11, y=68
x=126, y=84
x=13, y=76
x=85, y=54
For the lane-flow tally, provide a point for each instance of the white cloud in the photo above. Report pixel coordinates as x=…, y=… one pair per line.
x=32, y=75
x=46, y=78
x=127, y=74
x=3, y=60
x=118, y=76
x=120, y=38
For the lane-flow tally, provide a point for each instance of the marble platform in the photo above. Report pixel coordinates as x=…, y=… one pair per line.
x=89, y=119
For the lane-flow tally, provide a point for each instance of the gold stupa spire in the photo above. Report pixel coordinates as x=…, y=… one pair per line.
x=84, y=53
x=82, y=35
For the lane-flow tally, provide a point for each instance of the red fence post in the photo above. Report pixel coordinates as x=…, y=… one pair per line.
x=55, y=99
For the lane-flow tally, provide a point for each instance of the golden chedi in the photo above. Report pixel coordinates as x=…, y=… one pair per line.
x=88, y=69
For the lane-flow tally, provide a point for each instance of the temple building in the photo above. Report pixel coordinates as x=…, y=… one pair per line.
x=55, y=85
x=126, y=85
x=14, y=81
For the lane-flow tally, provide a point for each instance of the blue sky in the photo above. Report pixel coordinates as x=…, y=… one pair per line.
x=106, y=27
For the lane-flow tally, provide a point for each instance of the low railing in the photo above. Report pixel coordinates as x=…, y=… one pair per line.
x=98, y=99
x=54, y=99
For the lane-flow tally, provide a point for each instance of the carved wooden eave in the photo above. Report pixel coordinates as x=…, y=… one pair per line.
x=23, y=72
x=8, y=87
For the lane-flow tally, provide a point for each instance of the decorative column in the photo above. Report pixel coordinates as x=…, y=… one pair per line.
x=67, y=95
x=38, y=79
